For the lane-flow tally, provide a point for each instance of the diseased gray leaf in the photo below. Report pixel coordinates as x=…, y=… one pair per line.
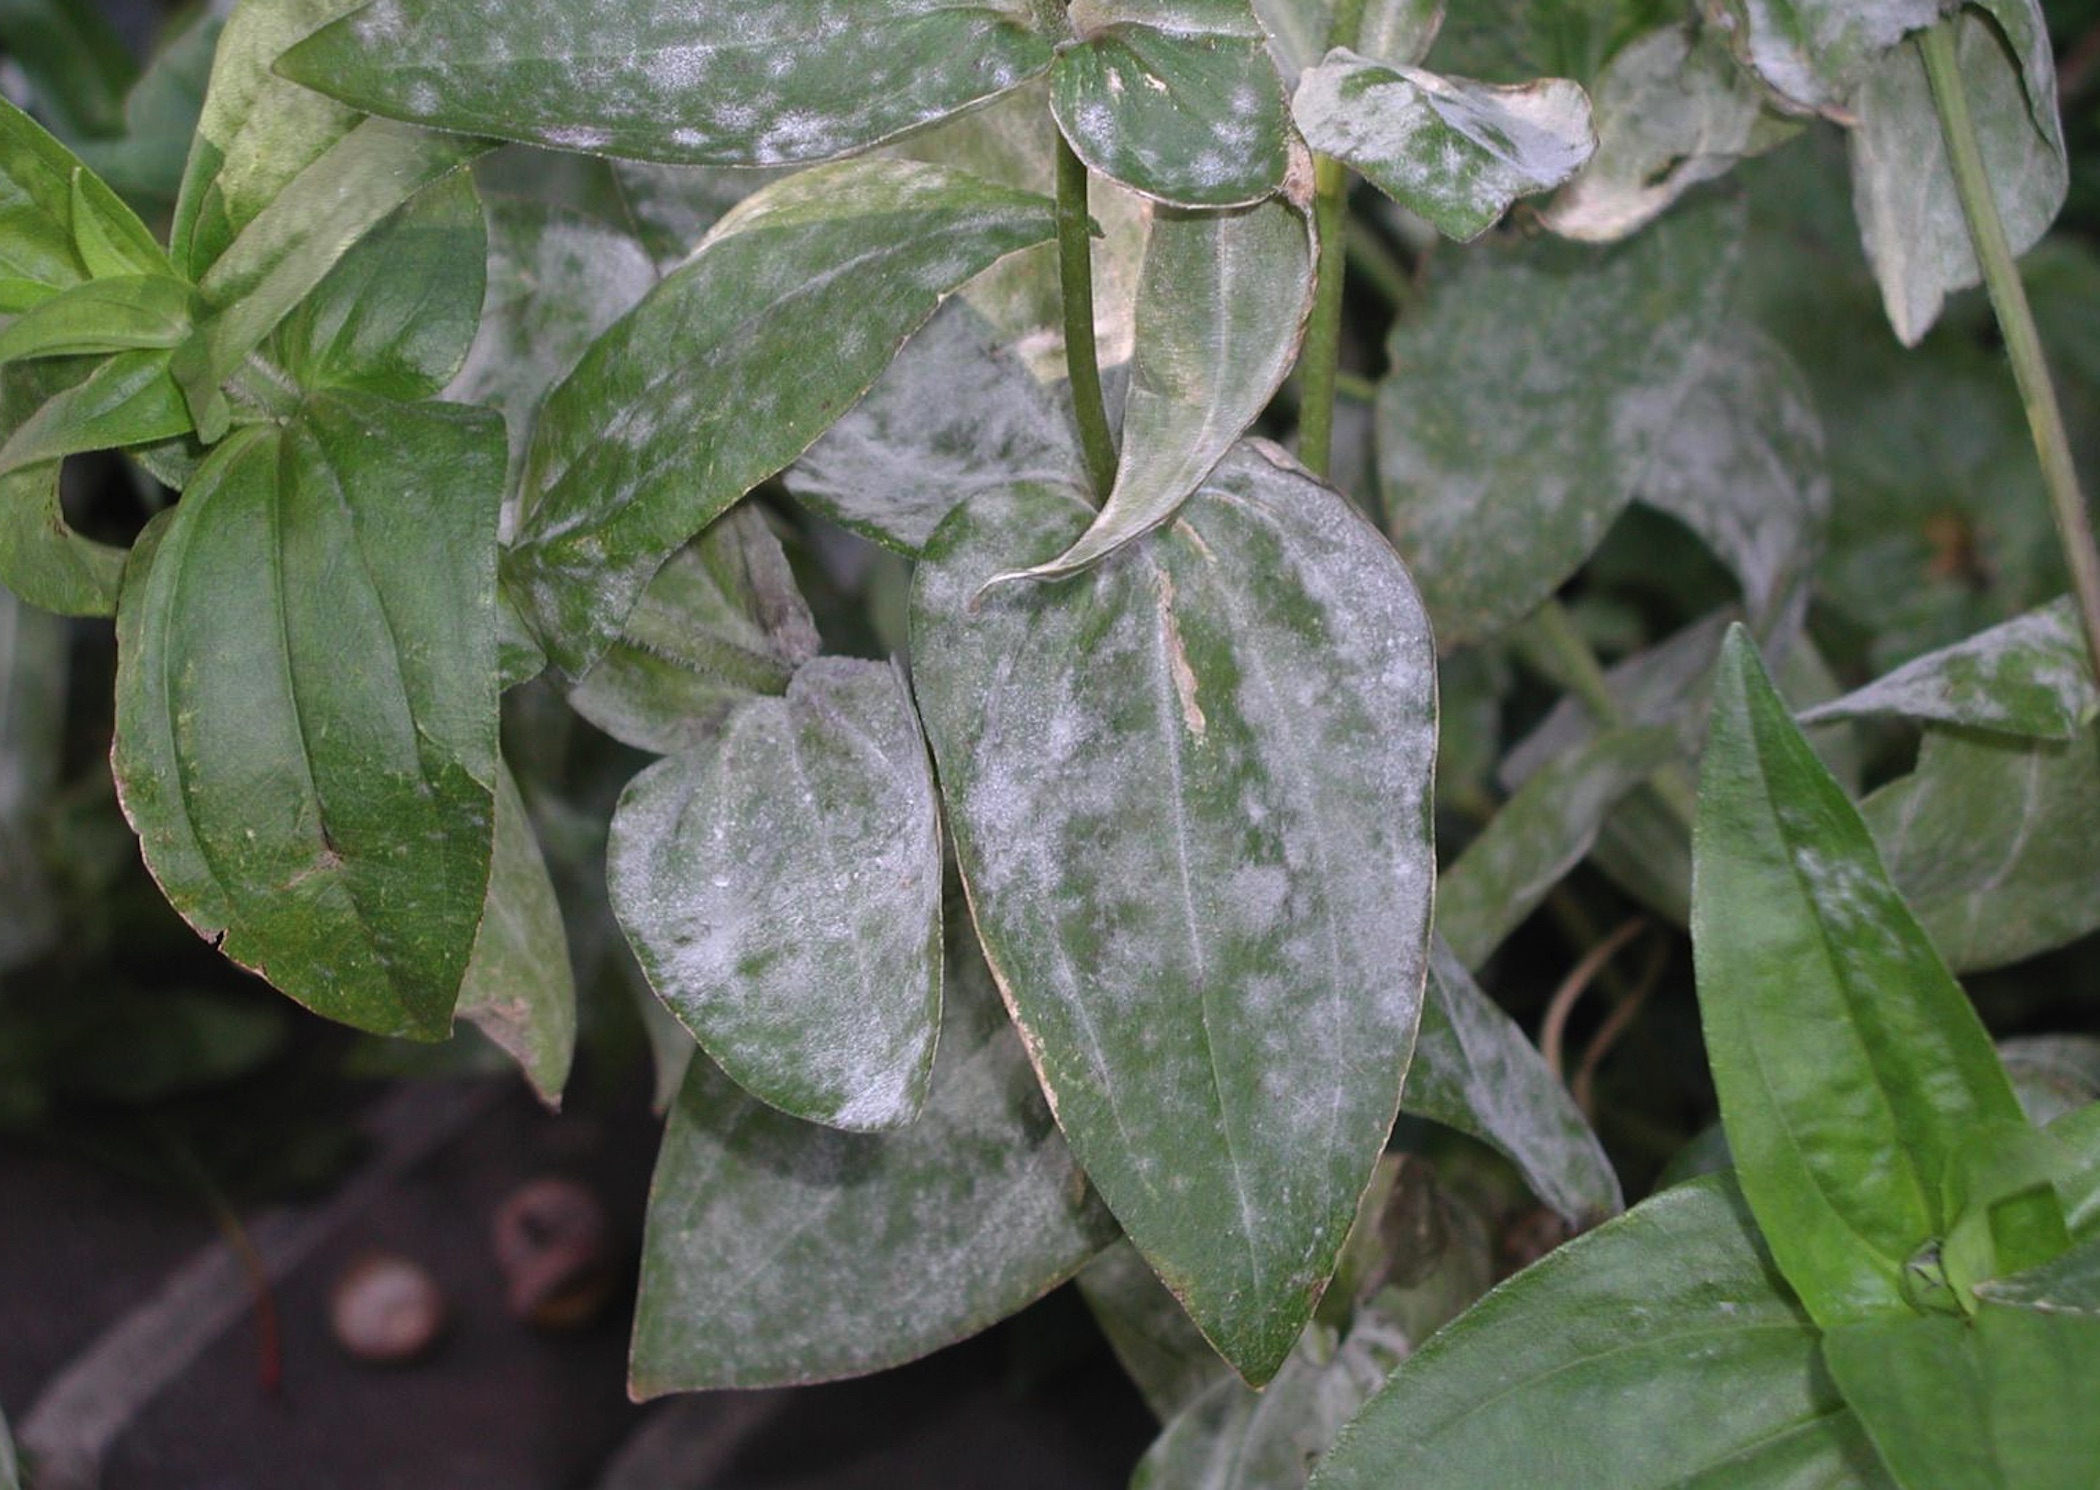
x=673, y=207
x=1513, y=431
x=955, y=415
x=780, y=882
x=1164, y=1355
x=731, y=367
x=1451, y=150
x=721, y=622
x=1239, y=710
x=1816, y=54
x=2027, y=677
x=779, y=1252
x=2052, y=1074
x=1475, y=1071
x=1395, y=32
x=1221, y=310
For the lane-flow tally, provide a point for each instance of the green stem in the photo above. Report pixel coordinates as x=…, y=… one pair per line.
x=1379, y=265
x=1075, y=279
x=1323, y=331
x=2023, y=344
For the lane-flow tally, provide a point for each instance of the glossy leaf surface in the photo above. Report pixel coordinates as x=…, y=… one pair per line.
x=731, y=367
x=1190, y=797
x=306, y=704
x=780, y=882
x=1850, y=1065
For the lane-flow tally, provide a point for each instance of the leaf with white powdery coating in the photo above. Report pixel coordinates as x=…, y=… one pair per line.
x=1236, y=715
x=306, y=703
x=1451, y=150
x=705, y=82
x=778, y=1252
x=1849, y=1063
x=1221, y=311
x=780, y=883
x=730, y=368
x=1815, y=54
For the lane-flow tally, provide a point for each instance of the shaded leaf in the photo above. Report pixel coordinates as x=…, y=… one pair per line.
x=74, y=60
x=33, y=677
x=1164, y=1355
x=784, y=316
x=1658, y=1350
x=1238, y=710
x=144, y=162
x=1512, y=432
x=1849, y=1064
x=2052, y=1074
x=1451, y=150
x=780, y=1252
x=1815, y=54
x=2068, y=1284
x=1513, y=40
x=1221, y=310
x=306, y=703
x=1395, y=32
x=709, y=82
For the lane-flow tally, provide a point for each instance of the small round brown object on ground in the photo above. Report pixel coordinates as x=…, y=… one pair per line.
x=554, y=1248
x=386, y=1310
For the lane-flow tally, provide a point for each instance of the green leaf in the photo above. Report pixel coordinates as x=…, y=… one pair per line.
x=396, y=314
x=116, y=314
x=1395, y=32
x=780, y=882
x=1816, y=54
x=143, y=163
x=1221, y=311
x=1530, y=397
x=1910, y=216
x=2028, y=678
x=50, y=206
x=1451, y=150
x=1660, y=1350
x=74, y=60
x=1178, y=102
x=1541, y=834
x=1672, y=110
x=1237, y=713
x=1989, y=839
x=1164, y=1355
x=2079, y=1191
x=851, y=1252
x=1475, y=1071
x=33, y=677
x=2067, y=1284
x=955, y=415
x=2052, y=1074
x=1849, y=1064
x=731, y=367
x=710, y=82
x=306, y=703
x=519, y=989
x=720, y=624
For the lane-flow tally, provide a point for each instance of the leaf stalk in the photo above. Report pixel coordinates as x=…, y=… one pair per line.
x=1323, y=331
x=1075, y=279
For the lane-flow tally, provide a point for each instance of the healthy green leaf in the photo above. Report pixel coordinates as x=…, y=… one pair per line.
x=1475, y=1071
x=1515, y=429
x=1221, y=310
x=143, y=163
x=306, y=703
x=119, y=313
x=779, y=1252
x=1816, y=54
x=52, y=211
x=2027, y=678
x=720, y=624
x=731, y=367
x=780, y=882
x=1238, y=712
x=1849, y=1064
x=1179, y=102
x=1990, y=841
x=1660, y=1350
x=1453, y=151
x=75, y=62
x=1166, y=1357
x=519, y=989
x=710, y=82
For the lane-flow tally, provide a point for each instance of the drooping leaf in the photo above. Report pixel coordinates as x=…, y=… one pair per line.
x=954, y=415
x=51, y=210
x=519, y=989
x=396, y=314
x=783, y=317
x=1236, y=713
x=780, y=1252
x=1221, y=309
x=2027, y=678
x=1990, y=839
x=1451, y=150
x=1179, y=102
x=1816, y=54
x=1475, y=1071
x=1849, y=1064
x=117, y=313
x=1661, y=1349
x=780, y=882
x=720, y=624
x=1166, y=1357
x=306, y=703
x=1513, y=431
x=717, y=82
x=1672, y=110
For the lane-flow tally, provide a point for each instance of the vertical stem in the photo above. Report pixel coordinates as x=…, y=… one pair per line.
x=2023, y=344
x=1323, y=331
x=1075, y=278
